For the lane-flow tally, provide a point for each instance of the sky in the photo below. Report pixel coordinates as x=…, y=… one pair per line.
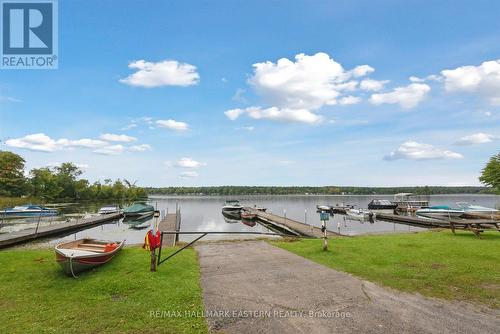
x=192, y=93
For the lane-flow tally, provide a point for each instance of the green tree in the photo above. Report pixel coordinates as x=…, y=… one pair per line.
x=44, y=184
x=491, y=173
x=67, y=175
x=12, y=179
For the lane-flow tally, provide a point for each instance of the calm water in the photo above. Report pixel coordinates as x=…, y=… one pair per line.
x=204, y=214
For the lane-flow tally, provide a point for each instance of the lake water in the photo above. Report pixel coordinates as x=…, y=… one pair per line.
x=203, y=213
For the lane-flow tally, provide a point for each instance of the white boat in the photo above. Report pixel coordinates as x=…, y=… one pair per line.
x=24, y=211
x=108, y=209
x=358, y=214
x=440, y=211
x=323, y=207
x=469, y=208
x=232, y=206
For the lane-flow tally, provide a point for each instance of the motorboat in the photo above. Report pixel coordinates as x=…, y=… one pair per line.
x=25, y=211
x=232, y=206
x=358, y=214
x=469, y=208
x=248, y=215
x=109, y=209
x=440, y=211
x=138, y=209
x=320, y=207
x=84, y=254
x=381, y=204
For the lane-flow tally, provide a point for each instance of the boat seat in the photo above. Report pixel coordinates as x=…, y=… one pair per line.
x=92, y=245
x=90, y=249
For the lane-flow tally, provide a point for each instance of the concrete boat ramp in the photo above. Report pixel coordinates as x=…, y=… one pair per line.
x=254, y=287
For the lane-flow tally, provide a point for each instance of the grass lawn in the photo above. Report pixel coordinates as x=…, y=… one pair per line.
x=435, y=264
x=36, y=297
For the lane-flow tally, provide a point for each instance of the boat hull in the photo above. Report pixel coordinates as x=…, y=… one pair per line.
x=73, y=265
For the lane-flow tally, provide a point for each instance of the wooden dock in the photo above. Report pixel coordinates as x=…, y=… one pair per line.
x=474, y=225
x=170, y=223
x=285, y=224
x=10, y=239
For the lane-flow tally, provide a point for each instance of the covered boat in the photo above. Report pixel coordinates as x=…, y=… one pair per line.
x=381, y=204
x=29, y=210
x=84, y=254
x=138, y=209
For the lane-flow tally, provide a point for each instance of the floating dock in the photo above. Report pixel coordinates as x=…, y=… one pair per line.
x=285, y=224
x=171, y=222
x=10, y=239
x=474, y=225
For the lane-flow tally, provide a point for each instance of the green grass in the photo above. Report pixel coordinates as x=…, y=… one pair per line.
x=436, y=264
x=36, y=297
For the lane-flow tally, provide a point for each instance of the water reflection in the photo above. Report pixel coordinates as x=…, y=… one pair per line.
x=202, y=214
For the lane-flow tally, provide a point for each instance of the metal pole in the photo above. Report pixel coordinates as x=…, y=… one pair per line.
x=325, y=239
x=39, y=217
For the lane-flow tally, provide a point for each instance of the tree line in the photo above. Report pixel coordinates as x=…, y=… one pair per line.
x=326, y=190
x=61, y=182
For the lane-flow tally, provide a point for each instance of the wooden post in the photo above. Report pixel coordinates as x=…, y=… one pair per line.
x=153, y=260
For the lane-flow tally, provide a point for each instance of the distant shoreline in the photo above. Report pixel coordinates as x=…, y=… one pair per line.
x=310, y=191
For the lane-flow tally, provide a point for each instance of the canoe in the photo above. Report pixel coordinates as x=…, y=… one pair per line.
x=84, y=254
x=138, y=209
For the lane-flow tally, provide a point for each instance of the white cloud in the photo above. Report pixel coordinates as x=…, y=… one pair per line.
x=412, y=150
x=372, y=85
x=248, y=128
x=189, y=163
x=362, y=70
x=110, y=150
x=117, y=138
x=476, y=138
x=128, y=127
x=276, y=114
x=407, y=97
x=483, y=80
x=487, y=113
x=233, y=114
x=163, y=73
x=140, y=148
x=239, y=96
x=188, y=175
x=42, y=142
x=172, y=125
x=347, y=100
x=309, y=82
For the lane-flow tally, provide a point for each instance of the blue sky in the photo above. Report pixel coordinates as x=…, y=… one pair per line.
x=167, y=93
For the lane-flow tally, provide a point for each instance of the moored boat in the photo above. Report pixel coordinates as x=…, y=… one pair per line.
x=232, y=206
x=138, y=209
x=248, y=215
x=30, y=210
x=84, y=254
x=108, y=209
x=358, y=214
x=381, y=204
x=440, y=211
x=320, y=207
x=469, y=208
